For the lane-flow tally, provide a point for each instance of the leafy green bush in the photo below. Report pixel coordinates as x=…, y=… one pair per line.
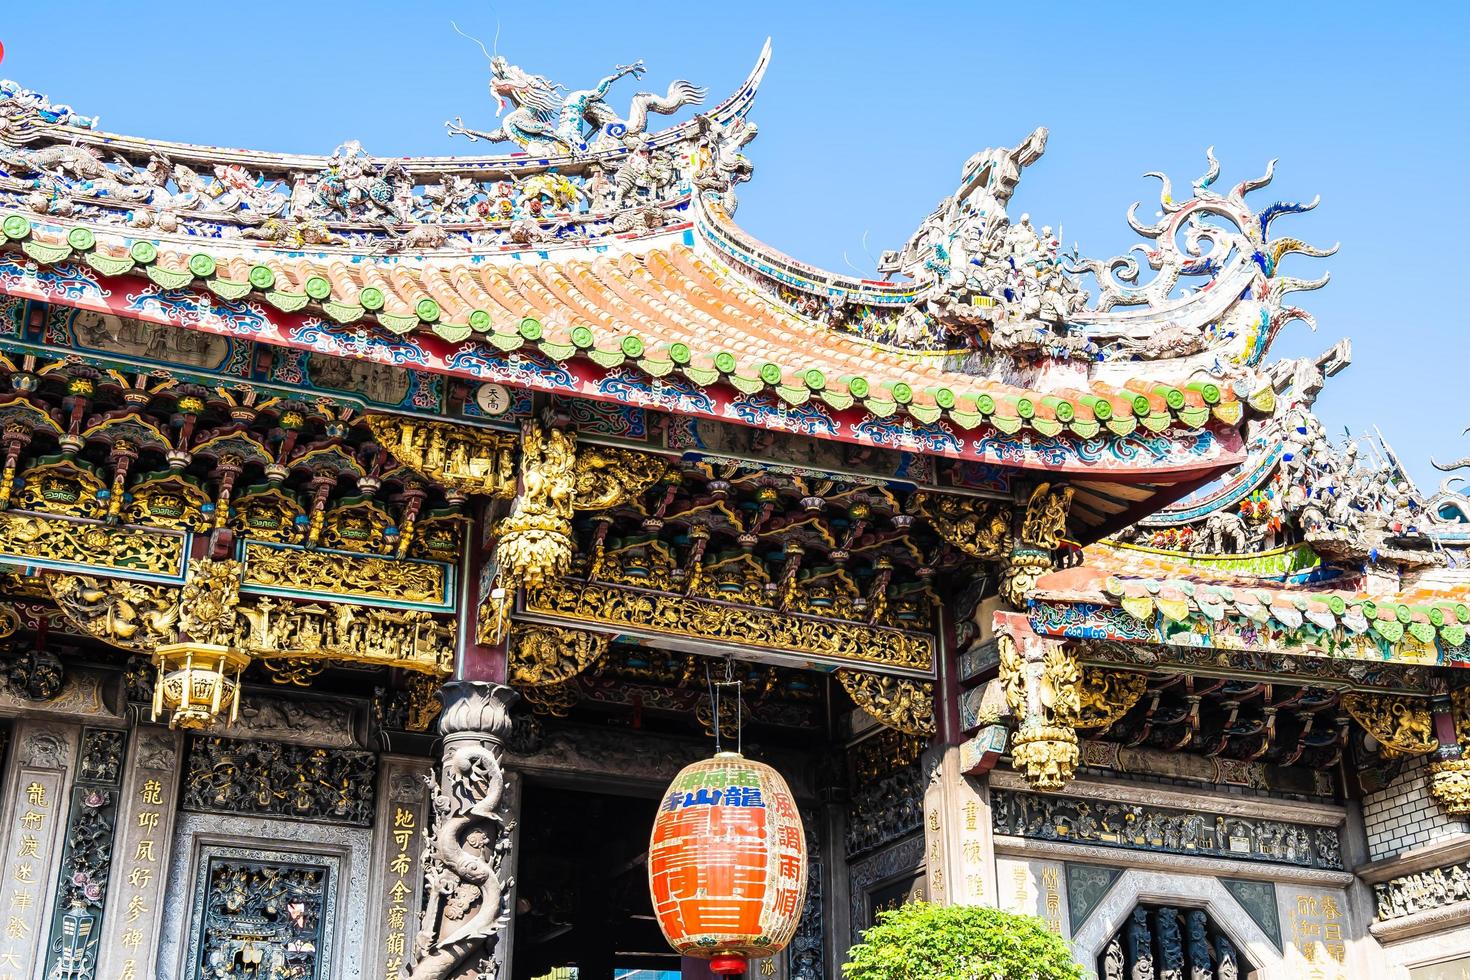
x=920, y=941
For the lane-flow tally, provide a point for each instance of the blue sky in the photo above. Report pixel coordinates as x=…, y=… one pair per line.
x=869, y=110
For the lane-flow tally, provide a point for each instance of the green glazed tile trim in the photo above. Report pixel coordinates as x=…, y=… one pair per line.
x=480, y=320
x=261, y=277
x=107, y=265
x=426, y=310
x=202, y=265
x=530, y=328
x=343, y=312
x=700, y=376
x=167, y=278
x=287, y=302
x=397, y=322
x=506, y=341
x=228, y=288
x=631, y=345
x=452, y=332
x=45, y=254
x=81, y=239
x=371, y=298
x=318, y=288
x=606, y=358
x=143, y=252
x=557, y=352
x=15, y=226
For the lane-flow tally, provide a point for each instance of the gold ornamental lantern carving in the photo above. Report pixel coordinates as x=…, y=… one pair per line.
x=199, y=676
x=197, y=683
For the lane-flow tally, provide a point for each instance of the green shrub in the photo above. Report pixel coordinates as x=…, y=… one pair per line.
x=920, y=941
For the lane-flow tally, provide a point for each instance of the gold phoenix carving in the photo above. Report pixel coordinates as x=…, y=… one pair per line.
x=545, y=655
x=130, y=615
x=1041, y=681
x=348, y=576
x=93, y=545
x=458, y=457
x=899, y=703
x=615, y=606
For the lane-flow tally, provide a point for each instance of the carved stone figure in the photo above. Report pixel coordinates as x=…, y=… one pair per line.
x=1140, y=945
x=465, y=851
x=1201, y=964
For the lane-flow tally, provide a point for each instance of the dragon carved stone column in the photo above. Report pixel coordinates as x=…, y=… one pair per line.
x=1041, y=680
x=466, y=883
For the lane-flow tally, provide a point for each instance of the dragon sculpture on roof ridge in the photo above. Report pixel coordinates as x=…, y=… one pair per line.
x=545, y=118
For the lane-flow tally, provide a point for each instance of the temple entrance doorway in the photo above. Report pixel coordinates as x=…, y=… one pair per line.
x=582, y=903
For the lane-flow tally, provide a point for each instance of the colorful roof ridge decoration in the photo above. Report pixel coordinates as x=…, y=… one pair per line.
x=603, y=260
x=1421, y=623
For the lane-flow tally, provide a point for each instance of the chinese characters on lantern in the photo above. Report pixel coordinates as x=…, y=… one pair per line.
x=727, y=861
x=399, y=891
x=1316, y=931
x=26, y=869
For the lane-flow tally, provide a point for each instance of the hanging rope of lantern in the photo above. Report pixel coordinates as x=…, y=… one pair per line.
x=727, y=862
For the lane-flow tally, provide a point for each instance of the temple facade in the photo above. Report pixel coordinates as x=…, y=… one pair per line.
x=379, y=536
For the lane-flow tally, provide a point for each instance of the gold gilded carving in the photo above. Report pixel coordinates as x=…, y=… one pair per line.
x=411, y=639
x=208, y=600
x=61, y=486
x=1449, y=784
x=1043, y=529
x=458, y=457
x=56, y=539
x=536, y=539
x=1045, y=523
x=1104, y=696
x=131, y=615
x=556, y=700
x=980, y=528
x=1401, y=726
x=360, y=527
x=543, y=655
x=902, y=704
x=423, y=701
x=267, y=514
x=347, y=576
x=609, y=477
x=1041, y=681
x=168, y=501
x=1018, y=579
x=610, y=605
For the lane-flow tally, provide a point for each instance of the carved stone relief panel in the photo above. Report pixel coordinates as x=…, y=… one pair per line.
x=210, y=841
x=227, y=775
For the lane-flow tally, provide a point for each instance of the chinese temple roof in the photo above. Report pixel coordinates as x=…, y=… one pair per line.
x=602, y=260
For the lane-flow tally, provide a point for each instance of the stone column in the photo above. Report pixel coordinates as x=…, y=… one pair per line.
x=140, y=859
x=464, y=875
x=34, y=818
x=957, y=839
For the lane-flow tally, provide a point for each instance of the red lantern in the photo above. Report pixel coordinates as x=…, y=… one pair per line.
x=727, y=862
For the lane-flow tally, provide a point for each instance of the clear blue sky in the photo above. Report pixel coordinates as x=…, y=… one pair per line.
x=869, y=110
